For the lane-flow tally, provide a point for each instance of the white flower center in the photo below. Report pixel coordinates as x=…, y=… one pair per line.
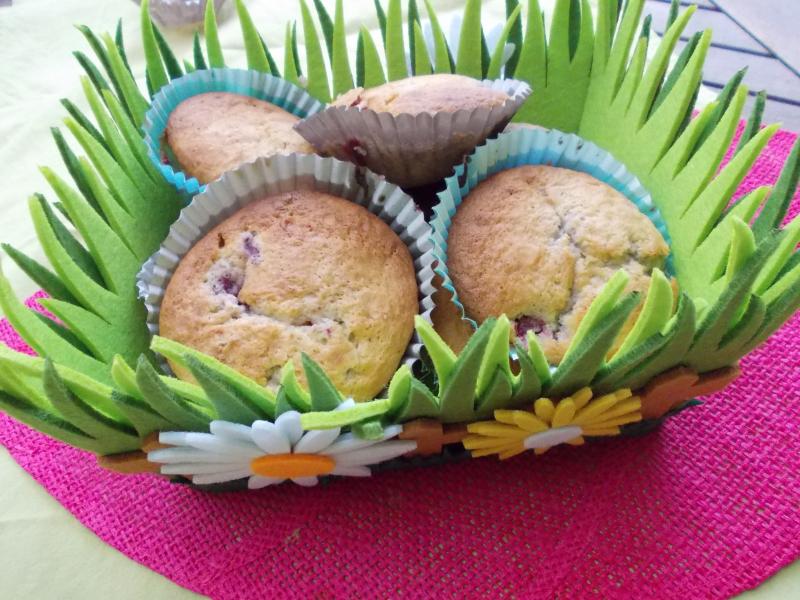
x=552, y=437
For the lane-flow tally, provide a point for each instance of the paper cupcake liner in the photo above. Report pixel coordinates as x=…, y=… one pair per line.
x=533, y=146
x=410, y=150
x=280, y=174
x=256, y=84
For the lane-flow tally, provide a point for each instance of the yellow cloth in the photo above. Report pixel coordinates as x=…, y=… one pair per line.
x=44, y=552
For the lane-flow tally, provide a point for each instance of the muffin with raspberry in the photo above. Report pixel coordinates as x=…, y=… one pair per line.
x=211, y=133
x=302, y=271
x=537, y=243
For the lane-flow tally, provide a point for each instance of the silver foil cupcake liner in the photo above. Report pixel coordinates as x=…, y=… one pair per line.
x=410, y=150
x=284, y=173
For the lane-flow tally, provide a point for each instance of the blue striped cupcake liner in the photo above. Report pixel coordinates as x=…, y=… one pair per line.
x=533, y=146
x=256, y=84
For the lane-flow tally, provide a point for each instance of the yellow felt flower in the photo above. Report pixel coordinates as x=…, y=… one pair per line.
x=551, y=423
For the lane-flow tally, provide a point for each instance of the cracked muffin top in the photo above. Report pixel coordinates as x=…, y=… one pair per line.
x=216, y=132
x=538, y=243
x=297, y=272
x=426, y=93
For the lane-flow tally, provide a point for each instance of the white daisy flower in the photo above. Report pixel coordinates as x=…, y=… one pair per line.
x=268, y=453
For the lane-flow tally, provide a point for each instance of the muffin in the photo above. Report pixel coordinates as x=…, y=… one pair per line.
x=302, y=271
x=426, y=93
x=538, y=243
x=215, y=132
x=414, y=130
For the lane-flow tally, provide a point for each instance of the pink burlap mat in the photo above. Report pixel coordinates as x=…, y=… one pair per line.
x=706, y=507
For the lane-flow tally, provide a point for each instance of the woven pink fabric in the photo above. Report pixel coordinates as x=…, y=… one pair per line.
x=706, y=507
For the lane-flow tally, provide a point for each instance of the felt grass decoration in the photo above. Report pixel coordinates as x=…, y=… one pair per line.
x=97, y=386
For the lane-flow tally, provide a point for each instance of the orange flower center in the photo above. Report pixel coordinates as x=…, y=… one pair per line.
x=292, y=465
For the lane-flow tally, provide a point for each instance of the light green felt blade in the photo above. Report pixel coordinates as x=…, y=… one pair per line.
x=315, y=62
x=324, y=396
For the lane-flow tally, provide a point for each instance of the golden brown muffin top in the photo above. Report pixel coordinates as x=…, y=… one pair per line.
x=425, y=93
x=297, y=272
x=538, y=243
x=216, y=132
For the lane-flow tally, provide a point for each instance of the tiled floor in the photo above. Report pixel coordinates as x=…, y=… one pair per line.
x=760, y=35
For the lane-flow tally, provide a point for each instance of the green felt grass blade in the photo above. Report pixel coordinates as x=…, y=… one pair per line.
x=315, y=62
x=345, y=417
x=379, y=12
x=41, y=275
x=294, y=393
x=784, y=283
x=412, y=19
x=468, y=61
x=495, y=357
x=295, y=50
x=281, y=403
x=498, y=394
x=783, y=192
x=536, y=354
x=442, y=357
x=84, y=123
x=655, y=313
x=63, y=332
x=485, y=56
x=495, y=64
x=43, y=339
x=168, y=56
x=229, y=404
x=527, y=385
x=610, y=375
x=779, y=309
x=373, y=69
x=395, y=46
x=323, y=393
x=678, y=68
x=256, y=57
x=94, y=333
x=114, y=436
x=188, y=66
x=197, y=53
x=120, y=149
x=97, y=79
x=723, y=99
x=256, y=395
x=125, y=378
x=360, y=59
x=369, y=430
x=290, y=72
x=457, y=399
x=633, y=77
x=340, y=64
x=422, y=60
x=733, y=345
x=62, y=241
x=47, y=422
x=135, y=102
x=753, y=121
x=514, y=36
x=74, y=167
x=444, y=62
x=143, y=418
x=578, y=368
x=399, y=388
x=213, y=47
x=599, y=310
x=120, y=43
x=421, y=403
x=790, y=237
x=116, y=263
x=718, y=318
x=152, y=56
x=167, y=403
x=273, y=66
x=327, y=25
x=100, y=51
x=743, y=245
x=150, y=91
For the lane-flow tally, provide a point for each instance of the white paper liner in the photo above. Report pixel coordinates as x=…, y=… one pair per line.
x=284, y=173
x=410, y=150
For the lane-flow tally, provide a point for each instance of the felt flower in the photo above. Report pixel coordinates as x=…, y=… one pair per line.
x=268, y=453
x=549, y=423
